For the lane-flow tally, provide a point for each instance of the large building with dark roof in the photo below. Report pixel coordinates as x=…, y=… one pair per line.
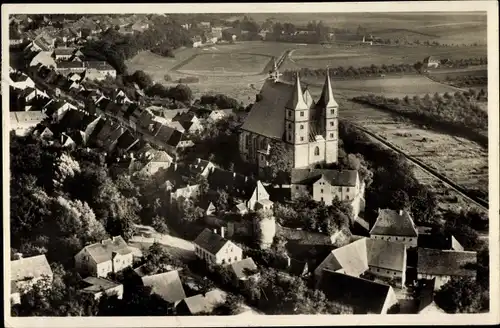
x=287, y=113
x=395, y=226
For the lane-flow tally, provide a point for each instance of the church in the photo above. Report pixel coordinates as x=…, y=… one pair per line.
x=288, y=113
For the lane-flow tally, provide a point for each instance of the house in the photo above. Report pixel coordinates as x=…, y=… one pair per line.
x=23, y=122
x=27, y=271
x=99, y=259
x=395, y=226
x=63, y=53
x=120, y=97
x=211, y=38
x=431, y=62
x=288, y=114
x=219, y=114
x=187, y=192
x=213, y=247
x=186, y=26
x=99, y=70
x=168, y=285
x=43, y=132
x=208, y=208
x=200, y=168
x=296, y=267
x=216, y=31
x=443, y=265
x=438, y=241
x=196, y=41
x=98, y=286
x=20, y=81
x=201, y=303
x=383, y=259
x=244, y=269
x=204, y=25
x=357, y=295
x=326, y=185
x=43, y=58
x=156, y=160
x=57, y=109
x=66, y=141
x=140, y=26
x=42, y=42
x=66, y=67
x=189, y=121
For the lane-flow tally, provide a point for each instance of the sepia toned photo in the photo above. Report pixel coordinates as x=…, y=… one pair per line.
x=221, y=165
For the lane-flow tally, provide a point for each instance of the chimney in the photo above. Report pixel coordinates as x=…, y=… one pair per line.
x=234, y=174
x=198, y=160
x=215, y=231
x=401, y=212
x=288, y=261
x=222, y=232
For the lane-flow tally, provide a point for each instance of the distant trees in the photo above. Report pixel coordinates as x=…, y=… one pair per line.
x=221, y=101
x=142, y=79
x=180, y=93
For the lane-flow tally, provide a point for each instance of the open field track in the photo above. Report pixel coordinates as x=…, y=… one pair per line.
x=442, y=161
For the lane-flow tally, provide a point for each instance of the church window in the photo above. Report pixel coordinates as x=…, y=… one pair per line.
x=302, y=127
x=322, y=199
x=347, y=197
x=301, y=113
x=301, y=138
x=331, y=135
x=347, y=189
x=263, y=144
x=332, y=111
x=290, y=137
x=331, y=123
x=316, y=151
x=289, y=125
x=321, y=190
x=289, y=113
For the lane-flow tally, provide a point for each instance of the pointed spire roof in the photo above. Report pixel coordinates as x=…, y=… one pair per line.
x=326, y=99
x=296, y=101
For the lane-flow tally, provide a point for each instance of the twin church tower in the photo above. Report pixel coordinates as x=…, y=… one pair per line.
x=288, y=113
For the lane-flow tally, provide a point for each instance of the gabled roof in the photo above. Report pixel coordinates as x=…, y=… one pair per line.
x=64, y=51
x=97, y=284
x=364, y=296
x=352, y=259
x=210, y=241
x=386, y=255
x=344, y=178
x=29, y=116
x=103, y=251
x=267, y=116
x=446, y=262
x=204, y=303
x=260, y=192
x=29, y=268
x=168, y=285
x=241, y=268
x=69, y=64
x=99, y=65
x=391, y=223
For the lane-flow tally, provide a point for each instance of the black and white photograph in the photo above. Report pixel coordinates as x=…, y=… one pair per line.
x=231, y=164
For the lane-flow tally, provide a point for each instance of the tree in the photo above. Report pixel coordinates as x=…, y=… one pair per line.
x=160, y=225
x=222, y=200
x=142, y=79
x=280, y=162
x=190, y=212
x=157, y=259
x=231, y=305
x=399, y=200
x=459, y=295
x=181, y=93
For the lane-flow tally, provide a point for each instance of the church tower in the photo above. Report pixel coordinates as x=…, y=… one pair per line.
x=329, y=106
x=297, y=125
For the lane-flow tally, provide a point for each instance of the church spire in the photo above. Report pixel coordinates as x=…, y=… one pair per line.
x=326, y=99
x=296, y=101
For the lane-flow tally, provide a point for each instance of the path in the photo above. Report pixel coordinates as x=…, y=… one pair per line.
x=147, y=235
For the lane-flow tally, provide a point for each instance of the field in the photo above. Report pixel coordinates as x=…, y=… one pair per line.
x=320, y=56
x=226, y=63
x=393, y=86
x=461, y=160
x=446, y=28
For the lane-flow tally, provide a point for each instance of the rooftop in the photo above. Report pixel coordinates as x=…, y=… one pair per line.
x=103, y=251
x=97, y=284
x=210, y=241
x=30, y=268
x=392, y=223
x=243, y=267
x=168, y=285
x=334, y=177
